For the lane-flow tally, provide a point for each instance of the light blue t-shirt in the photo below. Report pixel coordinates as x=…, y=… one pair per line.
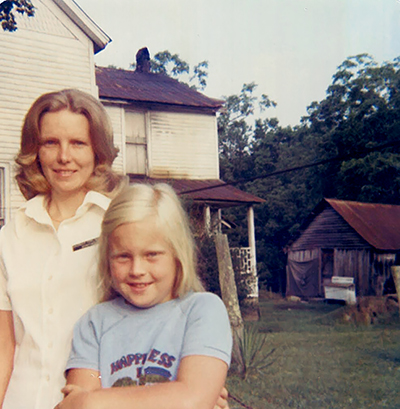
x=133, y=346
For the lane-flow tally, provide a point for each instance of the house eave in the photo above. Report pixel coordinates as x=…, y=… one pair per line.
x=85, y=23
x=159, y=106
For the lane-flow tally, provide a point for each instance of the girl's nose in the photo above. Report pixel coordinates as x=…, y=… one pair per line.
x=137, y=268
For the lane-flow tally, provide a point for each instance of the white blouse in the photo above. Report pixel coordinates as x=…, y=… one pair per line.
x=49, y=280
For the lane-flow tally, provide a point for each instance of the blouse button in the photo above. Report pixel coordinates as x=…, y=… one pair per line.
x=51, y=310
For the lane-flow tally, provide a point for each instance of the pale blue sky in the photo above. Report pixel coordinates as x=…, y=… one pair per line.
x=290, y=48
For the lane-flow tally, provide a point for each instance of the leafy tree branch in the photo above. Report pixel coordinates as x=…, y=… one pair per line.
x=8, y=9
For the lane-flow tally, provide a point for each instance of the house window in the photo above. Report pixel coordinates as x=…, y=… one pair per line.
x=136, y=143
x=2, y=197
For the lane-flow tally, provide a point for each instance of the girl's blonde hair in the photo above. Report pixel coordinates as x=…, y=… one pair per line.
x=138, y=202
x=30, y=178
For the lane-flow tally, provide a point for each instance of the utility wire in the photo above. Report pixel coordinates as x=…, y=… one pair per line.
x=349, y=156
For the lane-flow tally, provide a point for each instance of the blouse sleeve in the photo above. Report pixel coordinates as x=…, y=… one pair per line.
x=5, y=303
x=208, y=329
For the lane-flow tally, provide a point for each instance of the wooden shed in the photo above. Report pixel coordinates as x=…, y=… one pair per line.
x=344, y=239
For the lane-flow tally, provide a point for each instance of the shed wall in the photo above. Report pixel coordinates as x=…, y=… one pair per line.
x=354, y=263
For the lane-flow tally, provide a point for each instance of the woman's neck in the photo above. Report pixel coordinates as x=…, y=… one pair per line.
x=62, y=207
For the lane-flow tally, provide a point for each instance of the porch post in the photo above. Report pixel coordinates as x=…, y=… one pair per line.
x=250, y=304
x=207, y=219
x=252, y=240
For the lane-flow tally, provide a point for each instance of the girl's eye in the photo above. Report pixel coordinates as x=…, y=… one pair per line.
x=121, y=257
x=151, y=255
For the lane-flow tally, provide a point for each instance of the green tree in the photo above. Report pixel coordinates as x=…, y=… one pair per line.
x=250, y=151
x=361, y=110
x=8, y=9
x=235, y=132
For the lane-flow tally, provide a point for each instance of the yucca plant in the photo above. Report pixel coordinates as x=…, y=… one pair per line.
x=251, y=345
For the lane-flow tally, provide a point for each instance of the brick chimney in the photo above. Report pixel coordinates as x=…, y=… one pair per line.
x=143, y=60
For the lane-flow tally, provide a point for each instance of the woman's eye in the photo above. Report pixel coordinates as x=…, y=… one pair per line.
x=49, y=142
x=79, y=143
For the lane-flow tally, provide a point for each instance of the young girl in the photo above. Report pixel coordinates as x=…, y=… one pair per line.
x=156, y=327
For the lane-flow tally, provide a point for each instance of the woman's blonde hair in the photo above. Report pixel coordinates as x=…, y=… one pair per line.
x=30, y=178
x=138, y=202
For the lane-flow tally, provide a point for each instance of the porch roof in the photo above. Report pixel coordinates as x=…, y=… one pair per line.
x=213, y=192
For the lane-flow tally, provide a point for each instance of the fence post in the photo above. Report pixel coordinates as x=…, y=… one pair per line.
x=396, y=279
x=229, y=295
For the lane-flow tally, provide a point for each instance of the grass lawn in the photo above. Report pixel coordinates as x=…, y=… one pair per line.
x=321, y=362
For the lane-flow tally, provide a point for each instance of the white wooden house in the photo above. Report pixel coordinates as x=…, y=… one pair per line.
x=50, y=51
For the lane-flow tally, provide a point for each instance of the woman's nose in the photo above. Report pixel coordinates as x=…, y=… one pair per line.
x=64, y=153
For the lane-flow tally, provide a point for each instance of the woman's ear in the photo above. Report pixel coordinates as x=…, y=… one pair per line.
x=178, y=277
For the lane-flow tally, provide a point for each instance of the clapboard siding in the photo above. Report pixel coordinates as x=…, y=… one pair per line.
x=183, y=145
x=48, y=52
x=116, y=114
x=329, y=230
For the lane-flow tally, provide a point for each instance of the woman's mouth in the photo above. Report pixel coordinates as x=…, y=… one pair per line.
x=64, y=172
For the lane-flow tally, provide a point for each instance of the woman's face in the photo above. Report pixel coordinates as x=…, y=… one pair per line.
x=66, y=154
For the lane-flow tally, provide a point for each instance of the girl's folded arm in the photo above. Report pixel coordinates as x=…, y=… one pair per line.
x=87, y=379
x=198, y=386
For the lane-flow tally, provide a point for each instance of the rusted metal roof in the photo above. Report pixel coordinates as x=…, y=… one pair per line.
x=202, y=191
x=378, y=224
x=133, y=86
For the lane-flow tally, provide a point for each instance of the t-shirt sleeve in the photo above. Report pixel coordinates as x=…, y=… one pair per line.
x=85, y=344
x=208, y=330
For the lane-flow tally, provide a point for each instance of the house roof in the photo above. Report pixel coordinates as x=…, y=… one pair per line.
x=132, y=86
x=378, y=224
x=211, y=191
x=85, y=23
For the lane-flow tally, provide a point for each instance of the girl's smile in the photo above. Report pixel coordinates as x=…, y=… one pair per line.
x=142, y=264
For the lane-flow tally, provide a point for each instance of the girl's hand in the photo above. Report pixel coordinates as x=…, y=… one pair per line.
x=222, y=402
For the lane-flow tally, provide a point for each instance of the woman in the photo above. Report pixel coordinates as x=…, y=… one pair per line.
x=48, y=263
x=48, y=250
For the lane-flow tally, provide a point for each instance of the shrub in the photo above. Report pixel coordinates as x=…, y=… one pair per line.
x=252, y=346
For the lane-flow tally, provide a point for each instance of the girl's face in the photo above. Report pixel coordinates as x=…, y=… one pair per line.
x=143, y=266
x=66, y=154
